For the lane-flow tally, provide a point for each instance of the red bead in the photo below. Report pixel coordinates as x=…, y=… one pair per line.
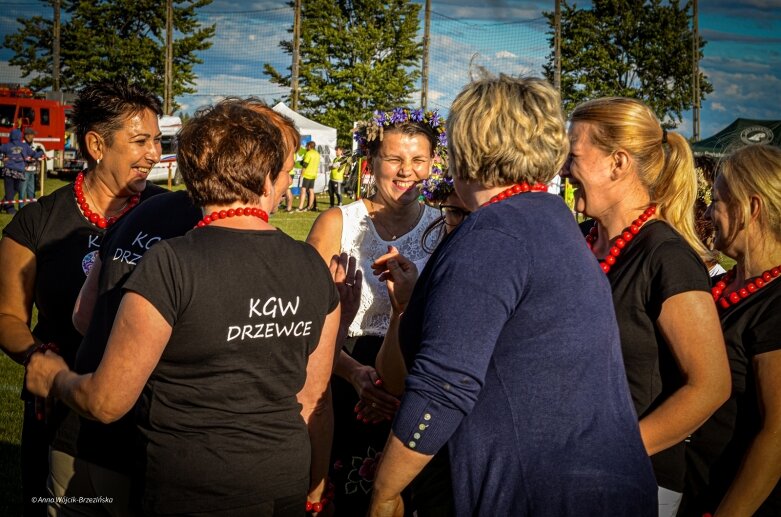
x=724, y=303
x=80, y=199
x=87, y=213
x=201, y=224
x=308, y=506
x=766, y=276
x=610, y=259
x=605, y=267
x=317, y=507
x=734, y=297
x=222, y=214
x=775, y=272
x=644, y=217
x=231, y=212
x=627, y=236
x=751, y=287
x=634, y=229
x=93, y=218
x=516, y=189
x=615, y=251
x=743, y=293
x=717, y=292
x=637, y=222
x=760, y=282
x=501, y=196
x=620, y=243
x=102, y=223
x=651, y=210
x=721, y=285
x=240, y=211
x=525, y=187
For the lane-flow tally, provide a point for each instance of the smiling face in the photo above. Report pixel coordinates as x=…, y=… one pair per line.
x=134, y=150
x=724, y=221
x=589, y=170
x=402, y=162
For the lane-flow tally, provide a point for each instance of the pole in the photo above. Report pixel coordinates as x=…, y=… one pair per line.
x=426, y=43
x=169, y=58
x=557, y=47
x=296, y=51
x=56, y=48
x=696, y=73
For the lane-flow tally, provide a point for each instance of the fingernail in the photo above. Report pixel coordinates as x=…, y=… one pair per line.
x=378, y=382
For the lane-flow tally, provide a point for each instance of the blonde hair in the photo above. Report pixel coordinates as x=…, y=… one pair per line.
x=667, y=172
x=754, y=170
x=504, y=130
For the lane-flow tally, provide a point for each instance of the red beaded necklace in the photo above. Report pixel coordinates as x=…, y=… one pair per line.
x=94, y=217
x=627, y=235
x=232, y=212
x=724, y=301
x=518, y=188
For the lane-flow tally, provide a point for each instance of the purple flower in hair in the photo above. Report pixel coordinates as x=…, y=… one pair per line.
x=380, y=117
x=433, y=120
x=398, y=115
x=416, y=115
x=443, y=139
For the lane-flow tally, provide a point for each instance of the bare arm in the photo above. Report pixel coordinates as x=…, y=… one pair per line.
x=761, y=468
x=85, y=303
x=702, y=358
x=398, y=467
x=138, y=338
x=17, y=287
x=317, y=410
x=326, y=234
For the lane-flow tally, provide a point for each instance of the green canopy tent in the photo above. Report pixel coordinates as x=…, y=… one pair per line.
x=740, y=133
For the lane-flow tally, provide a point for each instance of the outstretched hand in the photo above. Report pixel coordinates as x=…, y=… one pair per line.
x=348, y=279
x=399, y=274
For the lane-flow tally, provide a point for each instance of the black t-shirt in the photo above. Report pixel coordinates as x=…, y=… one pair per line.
x=168, y=215
x=65, y=245
x=752, y=327
x=219, y=416
x=656, y=265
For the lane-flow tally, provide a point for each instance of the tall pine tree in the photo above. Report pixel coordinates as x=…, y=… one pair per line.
x=628, y=48
x=107, y=39
x=356, y=56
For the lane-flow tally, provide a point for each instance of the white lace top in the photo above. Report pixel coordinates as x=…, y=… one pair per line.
x=360, y=239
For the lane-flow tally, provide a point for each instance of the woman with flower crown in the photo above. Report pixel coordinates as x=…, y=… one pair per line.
x=509, y=338
x=400, y=147
x=734, y=459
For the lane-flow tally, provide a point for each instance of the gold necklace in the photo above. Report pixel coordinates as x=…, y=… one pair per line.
x=393, y=235
x=107, y=213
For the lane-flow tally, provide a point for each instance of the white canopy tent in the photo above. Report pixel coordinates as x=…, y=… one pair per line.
x=323, y=136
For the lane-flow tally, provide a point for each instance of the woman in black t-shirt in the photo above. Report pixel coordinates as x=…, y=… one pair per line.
x=637, y=182
x=49, y=246
x=223, y=347
x=734, y=459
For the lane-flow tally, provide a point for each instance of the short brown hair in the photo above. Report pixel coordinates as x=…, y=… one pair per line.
x=226, y=151
x=292, y=138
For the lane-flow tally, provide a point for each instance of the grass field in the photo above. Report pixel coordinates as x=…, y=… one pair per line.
x=296, y=224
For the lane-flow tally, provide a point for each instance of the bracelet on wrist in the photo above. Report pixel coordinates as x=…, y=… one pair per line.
x=317, y=506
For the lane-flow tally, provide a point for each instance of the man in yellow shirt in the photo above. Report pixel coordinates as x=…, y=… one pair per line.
x=338, y=166
x=310, y=165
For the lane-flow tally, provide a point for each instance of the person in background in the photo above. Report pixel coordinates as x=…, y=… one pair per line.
x=513, y=374
x=399, y=146
x=27, y=189
x=637, y=182
x=231, y=369
x=705, y=168
x=338, y=167
x=734, y=459
x=16, y=155
x=310, y=167
x=49, y=247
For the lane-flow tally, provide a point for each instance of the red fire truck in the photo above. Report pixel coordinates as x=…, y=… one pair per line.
x=19, y=108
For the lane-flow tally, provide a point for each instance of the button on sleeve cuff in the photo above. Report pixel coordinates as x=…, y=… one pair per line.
x=424, y=425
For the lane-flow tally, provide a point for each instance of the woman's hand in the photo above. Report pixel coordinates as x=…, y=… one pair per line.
x=399, y=274
x=348, y=279
x=42, y=368
x=380, y=404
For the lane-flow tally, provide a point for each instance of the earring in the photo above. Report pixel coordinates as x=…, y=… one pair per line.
x=98, y=161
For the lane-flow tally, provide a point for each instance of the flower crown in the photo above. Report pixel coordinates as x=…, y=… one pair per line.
x=369, y=130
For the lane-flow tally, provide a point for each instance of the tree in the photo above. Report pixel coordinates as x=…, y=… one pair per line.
x=628, y=48
x=356, y=56
x=109, y=39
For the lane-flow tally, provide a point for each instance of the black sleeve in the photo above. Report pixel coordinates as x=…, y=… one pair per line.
x=158, y=278
x=675, y=268
x=27, y=225
x=318, y=264
x=764, y=334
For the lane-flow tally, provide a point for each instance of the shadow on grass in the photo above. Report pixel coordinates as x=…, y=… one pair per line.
x=10, y=479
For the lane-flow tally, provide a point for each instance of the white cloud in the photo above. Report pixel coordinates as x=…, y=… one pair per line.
x=717, y=106
x=505, y=54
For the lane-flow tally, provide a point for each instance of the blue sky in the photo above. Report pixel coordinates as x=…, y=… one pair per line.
x=742, y=57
